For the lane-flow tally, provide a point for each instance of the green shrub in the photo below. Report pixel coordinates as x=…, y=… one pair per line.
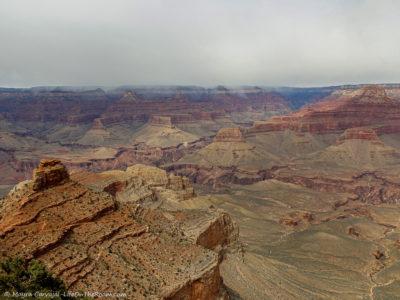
x=29, y=277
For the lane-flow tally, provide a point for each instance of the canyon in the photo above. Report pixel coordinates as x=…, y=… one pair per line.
x=206, y=193
x=97, y=128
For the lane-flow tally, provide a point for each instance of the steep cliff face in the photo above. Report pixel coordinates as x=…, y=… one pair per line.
x=369, y=106
x=95, y=242
x=213, y=230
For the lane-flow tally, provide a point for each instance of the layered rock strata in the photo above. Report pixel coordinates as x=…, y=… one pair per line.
x=95, y=243
x=369, y=106
x=360, y=134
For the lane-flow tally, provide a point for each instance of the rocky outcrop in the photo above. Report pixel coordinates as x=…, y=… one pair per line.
x=48, y=174
x=139, y=184
x=94, y=243
x=229, y=135
x=206, y=287
x=152, y=187
x=161, y=121
x=218, y=232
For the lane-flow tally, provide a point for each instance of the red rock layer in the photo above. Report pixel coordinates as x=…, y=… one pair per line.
x=369, y=106
x=360, y=133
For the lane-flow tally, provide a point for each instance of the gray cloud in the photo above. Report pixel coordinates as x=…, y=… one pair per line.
x=208, y=42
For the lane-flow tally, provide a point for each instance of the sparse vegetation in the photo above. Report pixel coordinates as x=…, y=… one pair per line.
x=31, y=279
x=22, y=276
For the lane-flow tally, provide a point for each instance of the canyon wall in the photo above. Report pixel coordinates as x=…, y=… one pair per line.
x=369, y=106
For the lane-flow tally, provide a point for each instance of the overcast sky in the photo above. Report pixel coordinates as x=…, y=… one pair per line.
x=202, y=42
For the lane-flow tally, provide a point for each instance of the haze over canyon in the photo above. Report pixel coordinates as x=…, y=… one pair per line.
x=200, y=150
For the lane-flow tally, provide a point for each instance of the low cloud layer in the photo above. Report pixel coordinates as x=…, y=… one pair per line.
x=209, y=42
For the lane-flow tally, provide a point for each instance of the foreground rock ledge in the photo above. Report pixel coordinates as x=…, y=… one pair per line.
x=95, y=243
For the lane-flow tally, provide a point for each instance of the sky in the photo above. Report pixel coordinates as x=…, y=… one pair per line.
x=193, y=42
